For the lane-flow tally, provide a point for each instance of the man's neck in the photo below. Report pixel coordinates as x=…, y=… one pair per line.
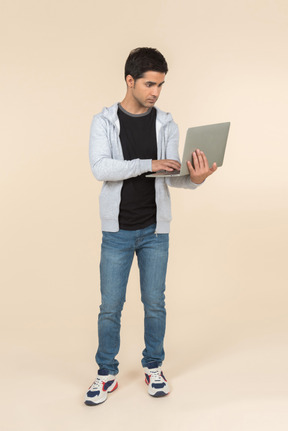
x=132, y=107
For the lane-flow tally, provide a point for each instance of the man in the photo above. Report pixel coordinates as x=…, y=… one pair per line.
x=129, y=140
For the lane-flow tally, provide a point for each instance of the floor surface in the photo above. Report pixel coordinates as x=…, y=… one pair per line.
x=240, y=388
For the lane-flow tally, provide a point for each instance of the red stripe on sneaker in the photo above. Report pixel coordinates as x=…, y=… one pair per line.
x=116, y=386
x=146, y=380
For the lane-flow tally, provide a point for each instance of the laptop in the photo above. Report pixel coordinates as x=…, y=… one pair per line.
x=211, y=139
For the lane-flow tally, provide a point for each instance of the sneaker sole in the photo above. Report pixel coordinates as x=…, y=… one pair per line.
x=159, y=394
x=90, y=403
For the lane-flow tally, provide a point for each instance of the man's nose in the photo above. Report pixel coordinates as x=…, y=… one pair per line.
x=156, y=91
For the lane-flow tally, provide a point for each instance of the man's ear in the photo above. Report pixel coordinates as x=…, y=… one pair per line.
x=130, y=81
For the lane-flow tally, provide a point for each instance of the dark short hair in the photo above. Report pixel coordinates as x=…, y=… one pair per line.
x=140, y=60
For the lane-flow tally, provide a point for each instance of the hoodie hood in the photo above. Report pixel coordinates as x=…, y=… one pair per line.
x=111, y=114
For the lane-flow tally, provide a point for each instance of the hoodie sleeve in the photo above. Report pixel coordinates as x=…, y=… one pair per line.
x=103, y=165
x=172, y=153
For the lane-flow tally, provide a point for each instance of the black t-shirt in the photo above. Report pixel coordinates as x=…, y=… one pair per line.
x=138, y=140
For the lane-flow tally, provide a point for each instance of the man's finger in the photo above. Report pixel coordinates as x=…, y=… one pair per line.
x=205, y=161
x=190, y=167
x=171, y=164
x=200, y=158
x=213, y=168
x=165, y=164
x=195, y=160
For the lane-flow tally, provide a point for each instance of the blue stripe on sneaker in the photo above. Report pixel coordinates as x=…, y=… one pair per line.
x=108, y=384
x=158, y=385
x=93, y=393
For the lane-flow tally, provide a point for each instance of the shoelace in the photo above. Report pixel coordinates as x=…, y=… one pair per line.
x=97, y=384
x=155, y=375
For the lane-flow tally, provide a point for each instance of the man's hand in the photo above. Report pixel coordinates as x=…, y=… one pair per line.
x=201, y=168
x=165, y=164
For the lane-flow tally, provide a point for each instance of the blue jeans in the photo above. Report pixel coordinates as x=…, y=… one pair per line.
x=117, y=254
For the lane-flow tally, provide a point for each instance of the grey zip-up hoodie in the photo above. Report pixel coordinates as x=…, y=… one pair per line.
x=108, y=165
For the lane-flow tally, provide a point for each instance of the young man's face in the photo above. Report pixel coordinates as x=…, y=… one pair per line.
x=146, y=90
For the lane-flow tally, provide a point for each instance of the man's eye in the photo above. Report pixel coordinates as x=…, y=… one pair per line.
x=148, y=84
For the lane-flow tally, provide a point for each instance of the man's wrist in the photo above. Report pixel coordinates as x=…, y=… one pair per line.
x=198, y=184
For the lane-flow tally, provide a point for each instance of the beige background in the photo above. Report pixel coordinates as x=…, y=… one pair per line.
x=226, y=344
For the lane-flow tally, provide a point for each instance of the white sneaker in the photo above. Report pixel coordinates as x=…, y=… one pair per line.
x=99, y=389
x=157, y=384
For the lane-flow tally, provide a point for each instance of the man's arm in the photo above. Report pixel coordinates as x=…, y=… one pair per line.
x=103, y=165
